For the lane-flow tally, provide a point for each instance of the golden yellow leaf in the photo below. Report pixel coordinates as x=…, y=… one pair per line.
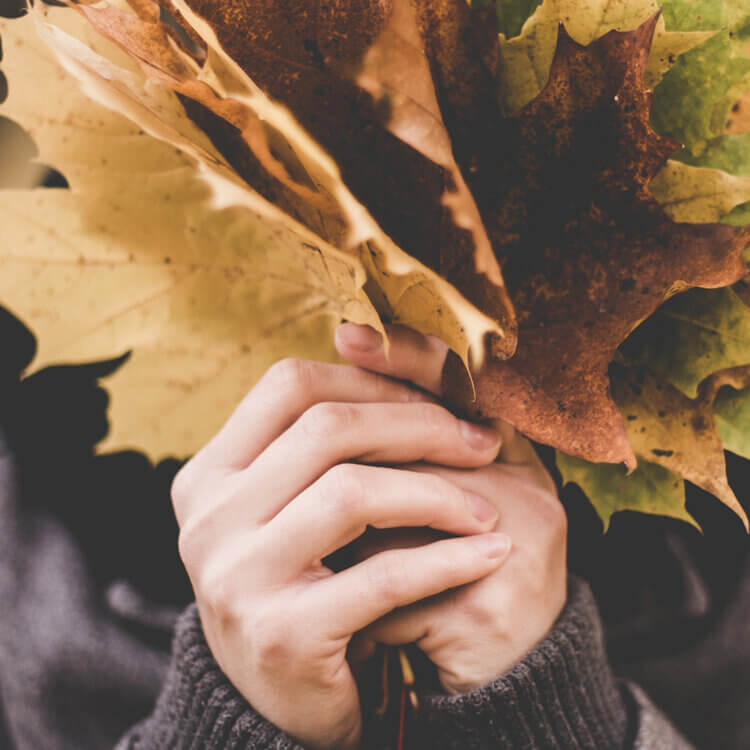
x=161, y=248
x=667, y=428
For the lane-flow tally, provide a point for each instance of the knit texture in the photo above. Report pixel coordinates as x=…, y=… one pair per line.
x=562, y=695
x=199, y=707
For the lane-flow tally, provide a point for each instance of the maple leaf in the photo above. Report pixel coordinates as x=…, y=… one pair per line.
x=731, y=154
x=693, y=101
x=698, y=195
x=525, y=61
x=364, y=145
x=355, y=105
x=731, y=412
x=667, y=428
x=692, y=336
x=588, y=252
x=202, y=327
x=649, y=489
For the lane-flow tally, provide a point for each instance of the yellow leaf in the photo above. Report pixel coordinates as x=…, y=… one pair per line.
x=698, y=195
x=667, y=428
x=161, y=248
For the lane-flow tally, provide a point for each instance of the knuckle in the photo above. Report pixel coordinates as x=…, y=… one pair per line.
x=434, y=418
x=189, y=544
x=387, y=577
x=343, y=489
x=292, y=374
x=324, y=419
x=183, y=489
x=445, y=495
x=479, y=610
x=270, y=637
x=215, y=588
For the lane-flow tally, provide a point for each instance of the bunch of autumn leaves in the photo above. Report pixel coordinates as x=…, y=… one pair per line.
x=563, y=197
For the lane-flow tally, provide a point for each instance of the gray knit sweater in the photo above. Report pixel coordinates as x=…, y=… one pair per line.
x=81, y=667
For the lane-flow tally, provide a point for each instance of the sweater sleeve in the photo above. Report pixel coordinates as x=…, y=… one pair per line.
x=199, y=708
x=562, y=695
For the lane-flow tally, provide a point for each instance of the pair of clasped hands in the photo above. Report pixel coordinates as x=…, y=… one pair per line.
x=315, y=456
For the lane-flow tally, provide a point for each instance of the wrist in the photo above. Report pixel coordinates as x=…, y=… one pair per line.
x=563, y=689
x=493, y=655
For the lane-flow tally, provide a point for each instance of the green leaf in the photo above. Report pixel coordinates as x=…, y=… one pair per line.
x=732, y=416
x=731, y=154
x=691, y=336
x=692, y=102
x=693, y=15
x=698, y=195
x=649, y=489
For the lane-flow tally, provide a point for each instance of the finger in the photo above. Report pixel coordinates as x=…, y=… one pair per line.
x=502, y=484
x=411, y=356
x=385, y=433
x=370, y=590
x=408, y=624
x=339, y=506
x=287, y=390
x=417, y=359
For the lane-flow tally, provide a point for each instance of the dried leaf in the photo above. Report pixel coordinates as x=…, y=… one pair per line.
x=667, y=428
x=588, y=253
x=201, y=329
x=525, y=60
x=309, y=60
x=395, y=71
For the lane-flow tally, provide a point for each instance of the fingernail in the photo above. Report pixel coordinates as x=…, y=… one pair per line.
x=481, y=509
x=493, y=545
x=478, y=437
x=361, y=338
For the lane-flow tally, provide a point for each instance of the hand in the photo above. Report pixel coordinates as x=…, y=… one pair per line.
x=276, y=491
x=475, y=633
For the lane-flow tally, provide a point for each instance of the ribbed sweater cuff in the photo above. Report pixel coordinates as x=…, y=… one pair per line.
x=199, y=708
x=562, y=694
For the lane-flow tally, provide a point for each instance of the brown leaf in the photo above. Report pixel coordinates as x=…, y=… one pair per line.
x=587, y=253
x=338, y=65
x=396, y=71
x=668, y=428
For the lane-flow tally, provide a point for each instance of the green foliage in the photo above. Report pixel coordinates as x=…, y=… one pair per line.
x=649, y=489
x=692, y=101
x=732, y=415
x=692, y=336
x=731, y=154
